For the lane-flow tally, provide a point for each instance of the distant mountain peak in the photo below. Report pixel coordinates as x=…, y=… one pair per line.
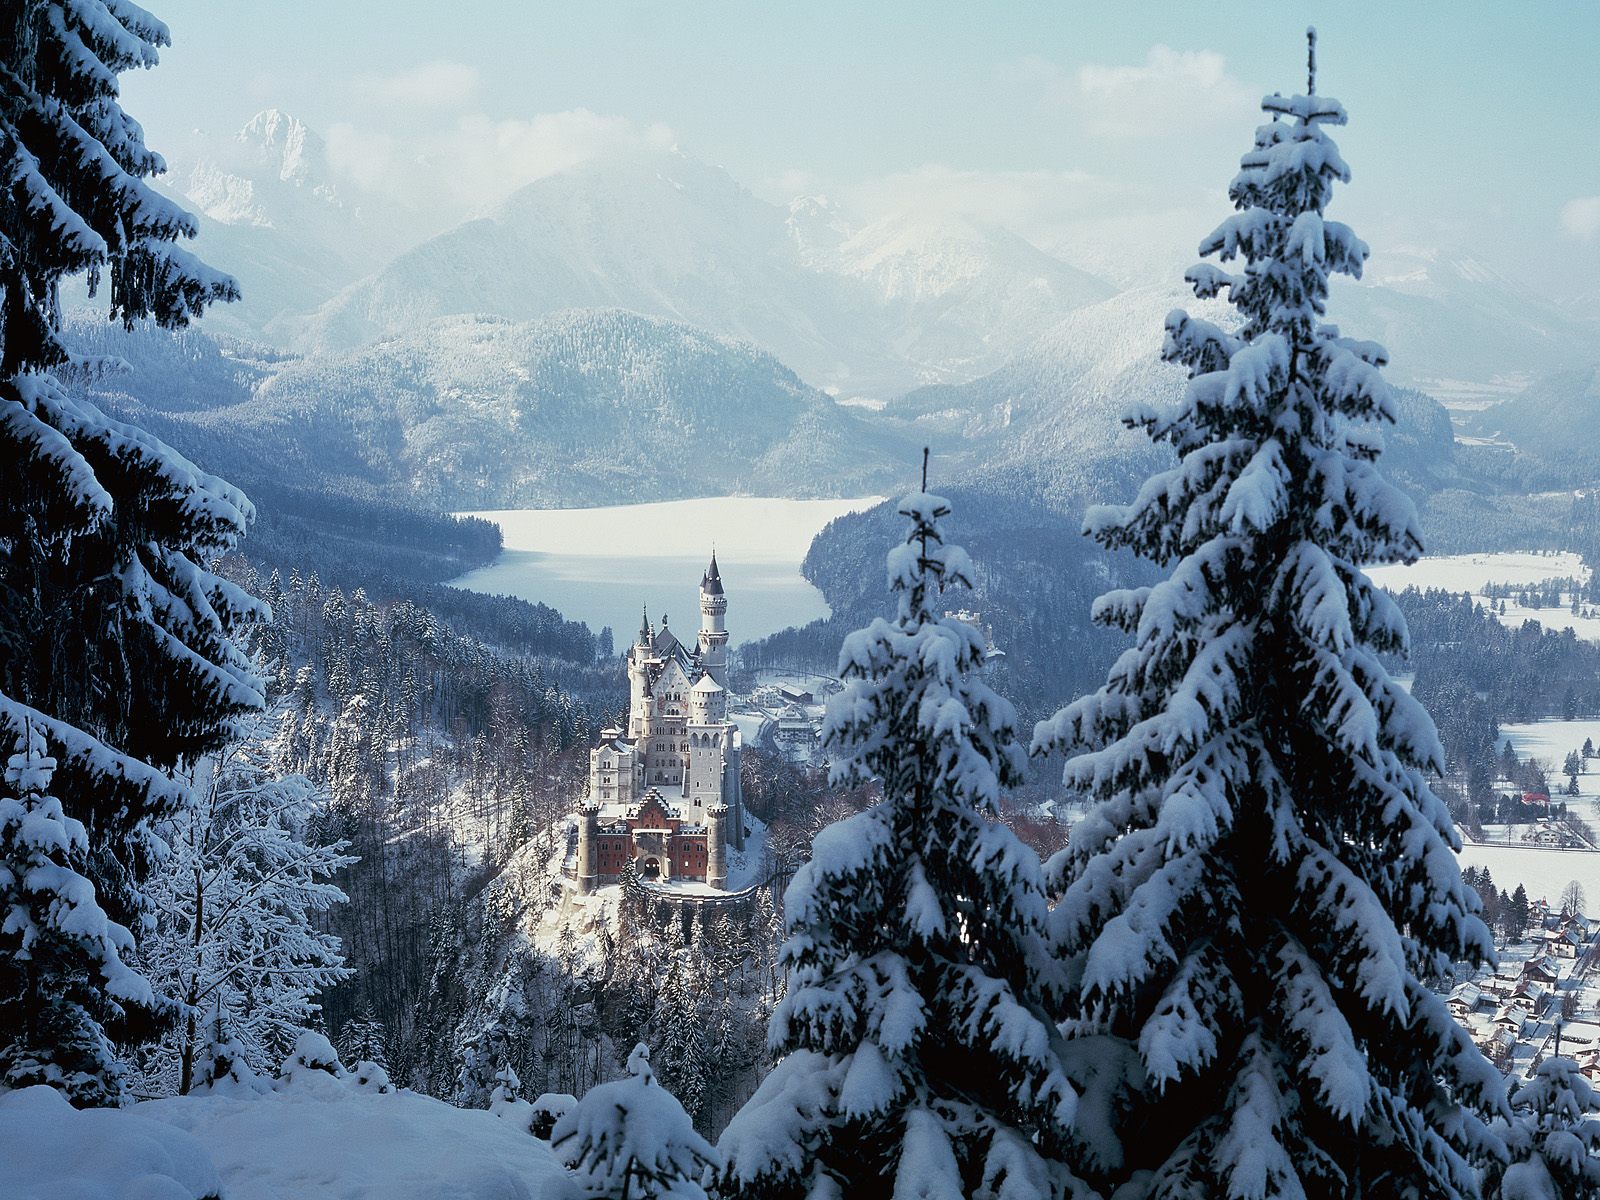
x=280, y=136
x=817, y=226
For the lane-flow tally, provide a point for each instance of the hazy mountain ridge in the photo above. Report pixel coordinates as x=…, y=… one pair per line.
x=1054, y=413
x=1552, y=421
x=586, y=407
x=869, y=309
x=895, y=304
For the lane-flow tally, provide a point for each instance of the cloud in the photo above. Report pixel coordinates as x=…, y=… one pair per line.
x=1580, y=218
x=466, y=165
x=435, y=86
x=1171, y=91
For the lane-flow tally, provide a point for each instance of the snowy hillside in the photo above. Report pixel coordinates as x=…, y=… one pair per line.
x=598, y=406
x=1554, y=420
x=1458, y=329
x=1055, y=411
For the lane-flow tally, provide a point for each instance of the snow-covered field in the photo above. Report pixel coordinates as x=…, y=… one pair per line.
x=604, y=565
x=1549, y=743
x=1471, y=572
x=1542, y=870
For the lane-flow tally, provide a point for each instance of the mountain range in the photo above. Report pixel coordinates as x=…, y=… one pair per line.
x=641, y=326
x=597, y=406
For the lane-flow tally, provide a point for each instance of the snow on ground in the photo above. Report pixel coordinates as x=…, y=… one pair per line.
x=317, y=1138
x=1542, y=870
x=1549, y=743
x=749, y=866
x=1545, y=870
x=1471, y=572
x=51, y=1151
x=604, y=565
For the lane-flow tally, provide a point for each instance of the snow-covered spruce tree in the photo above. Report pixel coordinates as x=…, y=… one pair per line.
x=920, y=1061
x=237, y=911
x=1553, y=1137
x=1268, y=878
x=62, y=948
x=115, y=641
x=631, y=1140
x=364, y=1038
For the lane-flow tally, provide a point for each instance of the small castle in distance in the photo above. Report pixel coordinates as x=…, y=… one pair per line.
x=664, y=794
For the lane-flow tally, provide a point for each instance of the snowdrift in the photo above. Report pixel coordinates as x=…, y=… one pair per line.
x=314, y=1137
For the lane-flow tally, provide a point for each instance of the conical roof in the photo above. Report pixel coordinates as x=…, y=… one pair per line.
x=711, y=582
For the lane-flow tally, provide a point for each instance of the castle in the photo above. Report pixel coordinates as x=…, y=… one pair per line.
x=664, y=794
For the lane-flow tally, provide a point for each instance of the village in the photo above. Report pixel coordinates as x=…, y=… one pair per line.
x=1541, y=1001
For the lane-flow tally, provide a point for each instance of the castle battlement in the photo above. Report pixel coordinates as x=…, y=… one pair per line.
x=664, y=793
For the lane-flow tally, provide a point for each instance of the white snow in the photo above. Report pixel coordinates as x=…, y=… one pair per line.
x=312, y=1135
x=1542, y=870
x=605, y=565
x=1469, y=572
x=52, y=1151
x=1472, y=572
x=1545, y=870
x=321, y=1138
x=1549, y=743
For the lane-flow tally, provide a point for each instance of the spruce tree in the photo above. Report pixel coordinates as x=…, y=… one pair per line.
x=920, y=1061
x=115, y=638
x=1268, y=879
x=1553, y=1138
x=61, y=947
x=631, y=1140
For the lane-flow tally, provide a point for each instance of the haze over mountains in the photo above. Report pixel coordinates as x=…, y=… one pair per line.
x=641, y=326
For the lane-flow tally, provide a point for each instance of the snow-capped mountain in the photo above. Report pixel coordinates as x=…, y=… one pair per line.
x=957, y=295
x=1456, y=327
x=859, y=312
x=583, y=407
x=278, y=165
x=818, y=227
x=273, y=214
x=656, y=233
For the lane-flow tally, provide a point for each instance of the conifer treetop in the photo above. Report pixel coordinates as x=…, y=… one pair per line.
x=920, y=1056
x=1269, y=880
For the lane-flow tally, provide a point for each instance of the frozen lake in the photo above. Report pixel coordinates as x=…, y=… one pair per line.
x=603, y=566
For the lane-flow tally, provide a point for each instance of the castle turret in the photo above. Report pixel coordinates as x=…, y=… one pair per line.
x=713, y=625
x=716, y=845
x=708, y=702
x=588, y=845
x=639, y=682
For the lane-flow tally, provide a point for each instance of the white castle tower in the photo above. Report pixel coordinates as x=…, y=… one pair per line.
x=713, y=625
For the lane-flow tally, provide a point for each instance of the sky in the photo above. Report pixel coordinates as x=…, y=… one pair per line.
x=1098, y=131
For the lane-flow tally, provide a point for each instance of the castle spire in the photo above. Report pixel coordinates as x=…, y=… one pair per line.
x=711, y=582
x=644, y=627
